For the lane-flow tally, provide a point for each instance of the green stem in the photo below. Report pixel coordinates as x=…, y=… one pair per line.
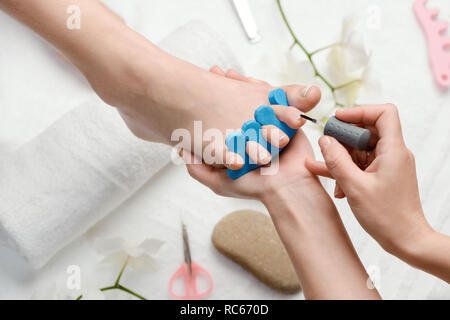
x=347, y=84
x=329, y=85
x=325, y=48
x=108, y=288
x=292, y=45
x=131, y=292
x=121, y=272
x=118, y=286
x=302, y=47
x=310, y=55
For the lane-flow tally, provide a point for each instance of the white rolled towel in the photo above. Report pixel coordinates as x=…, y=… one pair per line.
x=86, y=164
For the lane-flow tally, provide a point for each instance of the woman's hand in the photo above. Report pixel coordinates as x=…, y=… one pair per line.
x=380, y=185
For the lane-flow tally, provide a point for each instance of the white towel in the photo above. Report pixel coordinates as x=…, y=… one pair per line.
x=86, y=164
x=197, y=43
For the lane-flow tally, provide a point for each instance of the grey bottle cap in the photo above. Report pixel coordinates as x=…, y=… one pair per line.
x=347, y=133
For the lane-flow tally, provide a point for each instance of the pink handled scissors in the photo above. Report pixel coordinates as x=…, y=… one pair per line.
x=189, y=271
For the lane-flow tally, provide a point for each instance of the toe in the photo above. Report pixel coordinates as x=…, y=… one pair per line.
x=233, y=74
x=233, y=161
x=289, y=115
x=258, y=153
x=301, y=97
x=254, y=80
x=217, y=70
x=274, y=136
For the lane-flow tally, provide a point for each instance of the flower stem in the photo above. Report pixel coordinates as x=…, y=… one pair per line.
x=347, y=84
x=131, y=292
x=121, y=272
x=325, y=48
x=309, y=55
x=118, y=286
x=121, y=287
x=292, y=45
x=302, y=47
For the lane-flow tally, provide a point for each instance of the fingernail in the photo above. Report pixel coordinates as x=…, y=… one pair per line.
x=305, y=91
x=324, y=142
x=299, y=115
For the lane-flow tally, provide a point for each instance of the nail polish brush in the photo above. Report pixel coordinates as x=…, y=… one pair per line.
x=344, y=132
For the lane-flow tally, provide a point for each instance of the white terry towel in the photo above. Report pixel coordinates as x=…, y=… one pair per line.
x=86, y=164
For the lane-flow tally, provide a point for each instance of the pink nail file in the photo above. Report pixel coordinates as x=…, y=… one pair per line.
x=438, y=44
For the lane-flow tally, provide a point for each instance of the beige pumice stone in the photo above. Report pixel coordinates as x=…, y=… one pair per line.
x=249, y=238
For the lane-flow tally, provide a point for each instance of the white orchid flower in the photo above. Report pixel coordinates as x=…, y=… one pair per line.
x=138, y=256
x=348, y=61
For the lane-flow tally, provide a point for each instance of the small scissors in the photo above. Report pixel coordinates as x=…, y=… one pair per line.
x=190, y=271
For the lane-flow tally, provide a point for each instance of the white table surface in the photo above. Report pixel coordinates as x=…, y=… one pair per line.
x=400, y=64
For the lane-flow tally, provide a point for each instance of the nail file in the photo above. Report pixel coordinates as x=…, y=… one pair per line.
x=251, y=131
x=248, y=22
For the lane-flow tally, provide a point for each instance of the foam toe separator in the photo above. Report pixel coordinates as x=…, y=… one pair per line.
x=251, y=131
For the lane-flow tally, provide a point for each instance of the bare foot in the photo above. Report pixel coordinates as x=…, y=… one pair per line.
x=157, y=93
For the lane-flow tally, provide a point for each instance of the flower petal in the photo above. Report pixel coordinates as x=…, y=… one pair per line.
x=143, y=264
x=151, y=246
x=106, y=246
x=116, y=259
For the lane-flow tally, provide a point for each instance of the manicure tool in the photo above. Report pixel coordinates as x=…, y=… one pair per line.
x=438, y=45
x=189, y=271
x=344, y=132
x=248, y=22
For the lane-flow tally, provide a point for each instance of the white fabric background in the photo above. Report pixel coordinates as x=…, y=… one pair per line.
x=37, y=87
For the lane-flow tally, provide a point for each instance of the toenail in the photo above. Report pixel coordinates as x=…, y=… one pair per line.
x=264, y=157
x=239, y=160
x=284, y=140
x=305, y=91
x=265, y=160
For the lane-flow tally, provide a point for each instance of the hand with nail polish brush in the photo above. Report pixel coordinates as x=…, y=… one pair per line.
x=381, y=185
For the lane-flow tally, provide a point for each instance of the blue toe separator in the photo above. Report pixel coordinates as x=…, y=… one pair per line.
x=251, y=131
